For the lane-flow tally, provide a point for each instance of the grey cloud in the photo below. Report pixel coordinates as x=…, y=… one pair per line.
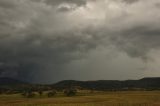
x=130, y=1
x=58, y=2
x=77, y=2
x=61, y=4
x=33, y=49
x=38, y=41
x=33, y=54
x=64, y=9
x=8, y=3
x=138, y=41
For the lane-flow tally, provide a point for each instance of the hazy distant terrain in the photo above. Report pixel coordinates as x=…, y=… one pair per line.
x=145, y=83
x=102, y=85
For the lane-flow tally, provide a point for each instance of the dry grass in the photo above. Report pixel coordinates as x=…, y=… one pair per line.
x=128, y=98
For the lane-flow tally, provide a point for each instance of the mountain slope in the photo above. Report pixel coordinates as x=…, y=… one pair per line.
x=10, y=81
x=145, y=83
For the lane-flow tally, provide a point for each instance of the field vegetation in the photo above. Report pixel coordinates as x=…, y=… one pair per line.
x=84, y=98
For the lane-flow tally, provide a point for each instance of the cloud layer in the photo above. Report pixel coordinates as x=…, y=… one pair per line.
x=51, y=40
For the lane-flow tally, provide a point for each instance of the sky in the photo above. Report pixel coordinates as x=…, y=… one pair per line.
x=45, y=41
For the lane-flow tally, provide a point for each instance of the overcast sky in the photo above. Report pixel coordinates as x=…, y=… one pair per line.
x=45, y=41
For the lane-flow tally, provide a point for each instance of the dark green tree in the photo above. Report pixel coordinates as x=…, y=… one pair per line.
x=52, y=93
x=40, y=92
x=70, y=92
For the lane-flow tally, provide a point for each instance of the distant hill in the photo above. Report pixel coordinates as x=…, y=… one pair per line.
x=142, y=84
x=11, y=81
x=145, y=83
x=10, y=85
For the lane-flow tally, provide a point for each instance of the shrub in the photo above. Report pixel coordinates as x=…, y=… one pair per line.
x=24, y=94
x=40, y=92
x=51, y=93
x=31, y=95
x=70, y=92
x=28, y=94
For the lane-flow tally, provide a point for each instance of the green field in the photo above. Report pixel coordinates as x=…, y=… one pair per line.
x=126, y=98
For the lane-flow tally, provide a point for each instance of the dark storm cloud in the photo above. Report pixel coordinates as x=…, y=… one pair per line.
x=77, y=2
x=29, y=45
x=58, y=2
x=130, y=1
x=32, y=53
x=8, y=3
x=66, y=5
x=138, y=41
x=37, y=41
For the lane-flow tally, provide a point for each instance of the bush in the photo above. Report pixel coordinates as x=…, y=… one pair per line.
x=40, y=92
x=24, y=94
x=28, y=94
x=70, y=92
x=52, y=93
x=31, y=95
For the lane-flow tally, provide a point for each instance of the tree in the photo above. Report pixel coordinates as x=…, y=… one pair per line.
x=28, y=94
x=24, y=94
x=40, y=92
x=52, y=93
x=70, y=92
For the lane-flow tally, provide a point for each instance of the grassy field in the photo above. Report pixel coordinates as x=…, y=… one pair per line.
x=127, y=98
